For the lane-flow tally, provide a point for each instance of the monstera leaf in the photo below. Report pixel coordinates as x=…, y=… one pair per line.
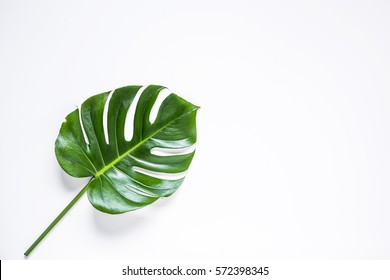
x=136, y=143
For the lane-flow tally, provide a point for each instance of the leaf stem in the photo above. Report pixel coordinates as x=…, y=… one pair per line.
x=56, y=220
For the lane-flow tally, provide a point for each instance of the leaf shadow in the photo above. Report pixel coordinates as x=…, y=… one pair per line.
x=72, y=183
x=132, y=221
x=115, y=225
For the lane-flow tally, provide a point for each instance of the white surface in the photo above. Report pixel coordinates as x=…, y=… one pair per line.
x=293, y=152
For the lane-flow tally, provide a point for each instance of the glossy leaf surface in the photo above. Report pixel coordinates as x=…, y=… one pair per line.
x=133, y=159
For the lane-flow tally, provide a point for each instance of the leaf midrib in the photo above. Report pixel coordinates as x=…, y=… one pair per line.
x=118, y=159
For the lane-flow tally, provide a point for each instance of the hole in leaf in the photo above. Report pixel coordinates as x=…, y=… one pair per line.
x=163, y=152
x=160, y=175
x=129, y=121
x=162, y=95
x=105, y=117
x=139, y=191
x=82, y=125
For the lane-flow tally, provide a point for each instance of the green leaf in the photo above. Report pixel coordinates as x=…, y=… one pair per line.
x=127, y=175
x=128, y=170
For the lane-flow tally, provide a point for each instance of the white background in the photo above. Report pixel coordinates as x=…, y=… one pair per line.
x=293, y=149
